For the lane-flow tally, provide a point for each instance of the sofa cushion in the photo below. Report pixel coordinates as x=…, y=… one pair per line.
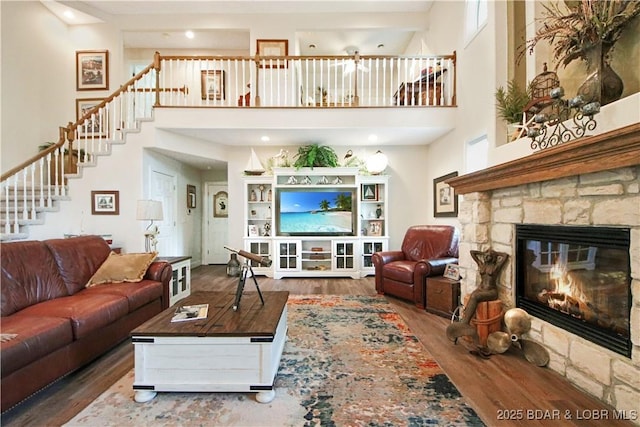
x=137, y=294
x=400, y=271
x=118, y=268
x=35, y=337
x=78, y=258
x=29, y=276
x=87, y=312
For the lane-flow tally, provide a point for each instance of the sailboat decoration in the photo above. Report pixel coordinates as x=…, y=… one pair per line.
x=254, y=166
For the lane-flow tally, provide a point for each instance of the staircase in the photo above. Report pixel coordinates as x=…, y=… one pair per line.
x=39, y=185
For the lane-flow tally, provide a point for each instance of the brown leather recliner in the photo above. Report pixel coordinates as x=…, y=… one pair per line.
x=425, y=251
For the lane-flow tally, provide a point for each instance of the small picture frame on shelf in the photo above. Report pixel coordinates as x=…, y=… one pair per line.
x=369, y=192
x=452, y=271
x=375, y=228
x=253, y=230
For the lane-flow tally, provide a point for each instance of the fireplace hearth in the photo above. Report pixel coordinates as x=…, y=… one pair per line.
x=577, y=278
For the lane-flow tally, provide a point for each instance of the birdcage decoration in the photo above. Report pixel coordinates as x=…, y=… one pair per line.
x=542, y=84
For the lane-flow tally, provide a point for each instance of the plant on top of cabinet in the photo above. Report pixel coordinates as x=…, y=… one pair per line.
x=315, y=155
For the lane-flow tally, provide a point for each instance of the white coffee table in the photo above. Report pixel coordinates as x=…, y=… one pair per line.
x=230, y=351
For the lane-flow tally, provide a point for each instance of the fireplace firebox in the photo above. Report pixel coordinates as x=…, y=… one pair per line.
x=577, y=278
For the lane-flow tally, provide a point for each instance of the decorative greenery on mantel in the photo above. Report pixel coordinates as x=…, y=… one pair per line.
x=582, y=26
x=315, y=155
x=511, y=102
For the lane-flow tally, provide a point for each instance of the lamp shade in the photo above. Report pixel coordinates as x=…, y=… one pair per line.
x=377, y=163
x=149, y=210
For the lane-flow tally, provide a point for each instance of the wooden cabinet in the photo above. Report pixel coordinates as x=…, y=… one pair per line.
x=180, y=286
x=442, y=295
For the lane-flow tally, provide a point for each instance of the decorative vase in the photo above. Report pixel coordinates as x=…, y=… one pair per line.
x=603, y=84
x=233, y=266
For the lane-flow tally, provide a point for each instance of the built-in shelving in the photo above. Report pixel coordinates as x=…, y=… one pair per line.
x=314, y=255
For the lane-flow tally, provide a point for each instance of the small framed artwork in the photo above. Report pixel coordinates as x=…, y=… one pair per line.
x=212, y=84
x=445, y=200
x=92, y=70
x=221, y=204
x=375, y=228
x=96, y=125
x=369, y=192
x=272, y=48
x=105, y=202
x=191, y=197
x=253, y=231
x=452, y=271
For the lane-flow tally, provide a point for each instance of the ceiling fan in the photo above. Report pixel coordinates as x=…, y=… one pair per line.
x=351, y=65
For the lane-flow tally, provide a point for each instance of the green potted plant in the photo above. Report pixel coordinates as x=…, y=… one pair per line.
x=315, y=155
x=510, y=103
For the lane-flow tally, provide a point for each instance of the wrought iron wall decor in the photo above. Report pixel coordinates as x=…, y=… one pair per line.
x=547, y=130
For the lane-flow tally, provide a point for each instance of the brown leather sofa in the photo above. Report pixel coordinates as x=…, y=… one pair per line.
x=54, y=324
x=425, y=251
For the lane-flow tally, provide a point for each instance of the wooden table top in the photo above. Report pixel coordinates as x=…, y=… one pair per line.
x=251, y=319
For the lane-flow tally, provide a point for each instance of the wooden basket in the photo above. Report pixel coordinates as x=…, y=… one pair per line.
x=488, y=318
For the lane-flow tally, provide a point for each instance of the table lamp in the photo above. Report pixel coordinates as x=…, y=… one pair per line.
x=150, y=210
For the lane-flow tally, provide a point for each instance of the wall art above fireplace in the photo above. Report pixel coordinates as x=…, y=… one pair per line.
x=577, y=278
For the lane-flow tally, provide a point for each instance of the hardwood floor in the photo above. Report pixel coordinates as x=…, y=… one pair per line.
x=503, y=386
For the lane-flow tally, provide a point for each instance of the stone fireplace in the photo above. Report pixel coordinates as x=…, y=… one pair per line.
x=592, y=184
x=576, y=278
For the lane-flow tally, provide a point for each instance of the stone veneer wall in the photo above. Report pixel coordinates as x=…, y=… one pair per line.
x=609, y=198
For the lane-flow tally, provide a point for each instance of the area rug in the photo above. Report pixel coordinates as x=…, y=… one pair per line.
x=348, y=361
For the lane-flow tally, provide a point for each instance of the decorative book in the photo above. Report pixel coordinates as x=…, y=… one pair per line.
x=190, y=312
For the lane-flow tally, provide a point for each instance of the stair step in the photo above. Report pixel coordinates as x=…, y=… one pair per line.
x=8, y=237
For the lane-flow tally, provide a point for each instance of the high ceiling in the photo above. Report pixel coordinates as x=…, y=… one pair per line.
x=378, y=41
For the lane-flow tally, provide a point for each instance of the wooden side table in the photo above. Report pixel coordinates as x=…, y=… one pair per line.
x=442, y=296
x=180, y=286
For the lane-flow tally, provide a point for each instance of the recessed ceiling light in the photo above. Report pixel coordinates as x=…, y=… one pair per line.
x=69, y=14
x=381, y=45
x=312, y=46
x=265, y=138
x=189, y=34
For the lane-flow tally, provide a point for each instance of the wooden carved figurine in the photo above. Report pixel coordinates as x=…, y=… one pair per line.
x=489, y=263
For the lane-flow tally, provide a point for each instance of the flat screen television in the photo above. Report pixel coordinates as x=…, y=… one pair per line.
x=315, y=212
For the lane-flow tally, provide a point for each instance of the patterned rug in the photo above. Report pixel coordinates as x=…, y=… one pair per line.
x=348, y=361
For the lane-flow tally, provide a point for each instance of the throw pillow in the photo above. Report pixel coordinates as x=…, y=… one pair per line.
x=118, y=268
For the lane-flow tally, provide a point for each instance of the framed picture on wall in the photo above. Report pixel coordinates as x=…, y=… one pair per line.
x=95, y=126
x=92, y=70
x=221, y=204
x=272, y=48
x=192, y=200
x=445, y=200
x=212, y=84
x=105, y=202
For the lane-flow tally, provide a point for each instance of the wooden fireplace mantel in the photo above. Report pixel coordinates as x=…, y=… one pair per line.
x=610, y=150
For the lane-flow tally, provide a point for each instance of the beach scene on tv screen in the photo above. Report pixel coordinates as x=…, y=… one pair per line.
x=315, y=212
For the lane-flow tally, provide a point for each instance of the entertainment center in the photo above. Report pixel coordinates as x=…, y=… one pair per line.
x=315, y=222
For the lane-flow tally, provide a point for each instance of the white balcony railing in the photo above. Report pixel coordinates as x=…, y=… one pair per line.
x=300, y=81
x=240, y=82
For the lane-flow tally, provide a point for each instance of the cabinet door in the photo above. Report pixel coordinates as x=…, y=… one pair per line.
x=261, y=248
x=369, y=247
x=288, y=255
x=344, y=255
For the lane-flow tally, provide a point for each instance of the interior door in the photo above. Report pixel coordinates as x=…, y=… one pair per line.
x=216, y=225
x=162, y=187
